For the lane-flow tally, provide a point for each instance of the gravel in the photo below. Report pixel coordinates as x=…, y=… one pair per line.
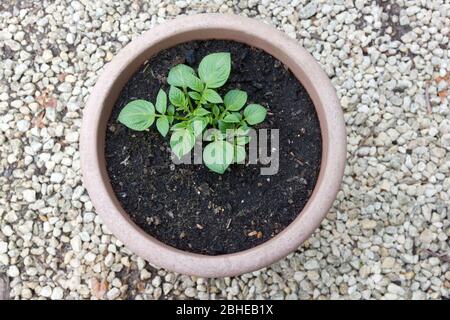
x=387, y=235
x=3, y=289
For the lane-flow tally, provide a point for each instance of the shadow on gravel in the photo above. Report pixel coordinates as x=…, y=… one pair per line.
x=4, y=287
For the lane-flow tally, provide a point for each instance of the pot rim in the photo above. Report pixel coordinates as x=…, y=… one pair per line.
x=198, y=27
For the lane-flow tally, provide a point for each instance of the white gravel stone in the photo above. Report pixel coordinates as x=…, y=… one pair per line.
x=46, y=292
x=114, y=293
x=3, y=247
x=47, y=56
x=56, y=177
x=89, y=257
x=13, y=271
x=190, y=292
x=75, y=242
x=72, y=136
x=23, y=125
x=156, y=282
x=29, y=195
x=107, y=26
x=311, y=265
x=57, y=294
x=368, y=224
x=65, y=87
x=426, y=236
x=309, y=10
x=395, y=289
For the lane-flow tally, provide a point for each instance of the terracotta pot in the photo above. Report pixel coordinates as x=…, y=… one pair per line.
x=202, y=27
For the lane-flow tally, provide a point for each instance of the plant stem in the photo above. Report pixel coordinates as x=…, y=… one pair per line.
x=191, y=109
x=176, y=118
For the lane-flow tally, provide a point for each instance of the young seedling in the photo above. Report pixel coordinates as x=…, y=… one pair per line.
x=195, y=106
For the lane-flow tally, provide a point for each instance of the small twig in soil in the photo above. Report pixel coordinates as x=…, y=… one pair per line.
x=146, y=65
x=229, y=223
x=300, y=162
x=427, y=97
x=125, y=162
x=199, y=226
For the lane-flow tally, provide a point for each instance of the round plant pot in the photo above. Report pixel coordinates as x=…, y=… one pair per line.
x=204, y=27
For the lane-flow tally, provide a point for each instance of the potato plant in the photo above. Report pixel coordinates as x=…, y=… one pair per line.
x=192, y=106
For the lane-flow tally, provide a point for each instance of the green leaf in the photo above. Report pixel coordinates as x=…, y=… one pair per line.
x=214, y=69
x=218, y=155
x=215, y=110
x=213, y=134
x=177, y=97
x=161, y=101
x=243, y=130
x=232, y=118
x=180, y=125
x=195, y=83
x=198, y=124
x=171, y=110
x=184, y=76
x=223, y=126
x=201, y=112
x=170, y=113
x=243, y=140
x=254, y=114
x=239, y=154
x=241, y=135
x=137, y=115
x=182, y=141
x=234, y=100
x=195, y=95
x=211, y=96
x=162, y=124
x=179, y=76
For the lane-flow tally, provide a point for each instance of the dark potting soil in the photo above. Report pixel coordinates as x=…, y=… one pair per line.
x=188, y=206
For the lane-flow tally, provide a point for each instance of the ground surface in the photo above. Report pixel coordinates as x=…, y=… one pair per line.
x=188, y=206
x=387, y=235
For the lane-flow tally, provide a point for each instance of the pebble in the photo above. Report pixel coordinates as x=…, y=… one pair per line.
x=311, y=265
x=368, y=224
x=190, y=292
x=3, y=247
x=56, y=177
x=23, y=125
x=29, y=195
x=309, y=10
x=156, y=282
x=395, y=289
x=72, y=136
x=388, y=263
x=47, y=56
x=75, y=242
x=114, y=293
x=13, y=271
x=46, y=292
x=57, y=294
x=426, y=236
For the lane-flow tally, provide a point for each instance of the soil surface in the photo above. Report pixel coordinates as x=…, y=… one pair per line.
x=192, y=208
